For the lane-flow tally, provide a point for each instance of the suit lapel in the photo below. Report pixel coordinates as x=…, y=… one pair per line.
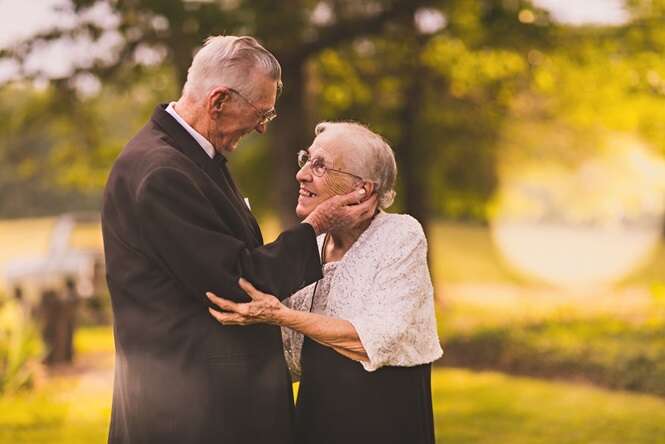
x=186, y=144
x=221, y=161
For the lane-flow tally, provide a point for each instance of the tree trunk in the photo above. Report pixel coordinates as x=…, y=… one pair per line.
x=289, y=133
x=411, y=156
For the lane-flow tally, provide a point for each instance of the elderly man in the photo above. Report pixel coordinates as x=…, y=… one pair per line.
x=176, y=226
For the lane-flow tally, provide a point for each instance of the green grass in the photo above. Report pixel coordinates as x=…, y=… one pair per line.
x=608, y=352
x=72, y=405
x=469, y=407
x=465, y=253
x=489, y=408
x=652, y=271
x=614, y=339
x=94, y=339
x=60, y=412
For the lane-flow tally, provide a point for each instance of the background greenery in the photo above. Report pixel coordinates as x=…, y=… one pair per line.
x=467, y=92
x=481, y=407
x=445, y=94
x=616, y=343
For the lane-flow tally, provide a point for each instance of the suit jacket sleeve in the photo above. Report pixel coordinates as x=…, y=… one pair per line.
x=195, y=245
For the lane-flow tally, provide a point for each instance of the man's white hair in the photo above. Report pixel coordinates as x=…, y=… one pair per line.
x=375, y=160
x=230, y=61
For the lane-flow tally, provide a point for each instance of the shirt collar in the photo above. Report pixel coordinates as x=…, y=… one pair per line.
x=205, y=143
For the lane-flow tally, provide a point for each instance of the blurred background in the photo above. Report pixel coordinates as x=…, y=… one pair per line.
x=530, y=138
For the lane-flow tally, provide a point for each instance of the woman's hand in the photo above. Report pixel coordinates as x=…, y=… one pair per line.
x=264, y=308
x=338, y=334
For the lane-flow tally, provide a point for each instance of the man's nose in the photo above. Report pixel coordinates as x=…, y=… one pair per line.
x=261, y=128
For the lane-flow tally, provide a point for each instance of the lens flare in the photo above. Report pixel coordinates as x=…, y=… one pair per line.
x=584, y=226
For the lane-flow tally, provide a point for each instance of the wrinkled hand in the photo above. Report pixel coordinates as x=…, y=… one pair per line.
x=264, y=308
x=342, y=212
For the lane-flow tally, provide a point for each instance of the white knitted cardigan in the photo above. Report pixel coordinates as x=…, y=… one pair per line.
x=383, y=287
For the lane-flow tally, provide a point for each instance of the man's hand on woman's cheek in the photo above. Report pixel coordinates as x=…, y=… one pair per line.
x=341, y=212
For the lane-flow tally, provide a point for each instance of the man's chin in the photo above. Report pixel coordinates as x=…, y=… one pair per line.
x=231, y=146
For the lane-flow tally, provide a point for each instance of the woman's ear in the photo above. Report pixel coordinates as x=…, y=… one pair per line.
x=369, y=187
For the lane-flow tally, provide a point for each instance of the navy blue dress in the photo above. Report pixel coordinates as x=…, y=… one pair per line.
x=339, y=402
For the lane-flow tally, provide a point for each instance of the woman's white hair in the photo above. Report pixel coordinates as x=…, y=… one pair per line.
x=229, y=60
x=376, y=160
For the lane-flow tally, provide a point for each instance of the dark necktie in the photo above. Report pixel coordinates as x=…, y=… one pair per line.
x=220, y=160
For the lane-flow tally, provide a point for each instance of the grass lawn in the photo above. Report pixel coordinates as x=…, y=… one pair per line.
x=70, y=406
x=470, y=407
x=491, y=408
x=73, y=405
x=652, y=271
x=465, y=253
x=67, y=410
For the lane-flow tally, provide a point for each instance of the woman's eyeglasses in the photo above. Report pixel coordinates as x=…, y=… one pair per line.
x=318, y=166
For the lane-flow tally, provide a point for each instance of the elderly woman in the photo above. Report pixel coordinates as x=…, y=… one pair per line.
x=364, y=336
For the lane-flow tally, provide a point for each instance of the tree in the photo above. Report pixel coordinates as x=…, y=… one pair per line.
x=441, y=96
x=175, y=28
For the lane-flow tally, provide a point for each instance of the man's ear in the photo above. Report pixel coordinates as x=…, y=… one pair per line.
x=216, y=99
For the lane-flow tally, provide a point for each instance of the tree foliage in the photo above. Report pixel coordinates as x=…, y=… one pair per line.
x=441, y=79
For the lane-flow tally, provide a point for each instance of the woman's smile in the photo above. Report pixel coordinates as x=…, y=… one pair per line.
x=304, y=192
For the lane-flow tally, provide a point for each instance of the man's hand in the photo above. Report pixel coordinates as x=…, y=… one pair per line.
x=340, y=212
x=264, y=308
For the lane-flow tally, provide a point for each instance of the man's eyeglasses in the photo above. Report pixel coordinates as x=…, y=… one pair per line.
x=318, y=166
x=264, y=117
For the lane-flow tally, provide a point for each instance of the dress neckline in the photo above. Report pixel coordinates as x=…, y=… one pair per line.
x=362, y=236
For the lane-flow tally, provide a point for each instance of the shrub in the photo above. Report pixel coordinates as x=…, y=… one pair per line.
x=607, y=352
x=20, y=348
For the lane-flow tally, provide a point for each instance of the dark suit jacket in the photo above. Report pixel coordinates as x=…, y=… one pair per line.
x=174, y=227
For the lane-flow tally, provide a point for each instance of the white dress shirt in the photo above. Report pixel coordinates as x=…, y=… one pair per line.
x=205, y=143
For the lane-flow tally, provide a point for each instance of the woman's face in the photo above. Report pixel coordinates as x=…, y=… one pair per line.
x=314, y=189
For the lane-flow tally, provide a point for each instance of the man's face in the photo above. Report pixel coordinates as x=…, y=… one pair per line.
x=234, y=114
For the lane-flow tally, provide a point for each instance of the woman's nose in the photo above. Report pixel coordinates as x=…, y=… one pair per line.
x=304, y=174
